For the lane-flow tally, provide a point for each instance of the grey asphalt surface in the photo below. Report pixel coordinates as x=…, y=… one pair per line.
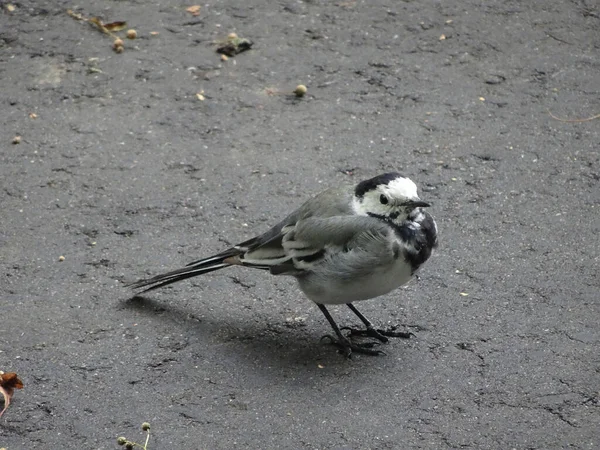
x=126, y=173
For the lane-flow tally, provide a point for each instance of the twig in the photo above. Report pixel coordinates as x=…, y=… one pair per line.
x=587, y=119
x=95, y=22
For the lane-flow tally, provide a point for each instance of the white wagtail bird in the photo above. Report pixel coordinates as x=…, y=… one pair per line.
x=345, y=244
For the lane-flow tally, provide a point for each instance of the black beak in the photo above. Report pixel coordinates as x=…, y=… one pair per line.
x=417, y=203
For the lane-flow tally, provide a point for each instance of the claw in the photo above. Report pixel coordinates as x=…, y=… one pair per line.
x=397, y=334
x=381, y=335
x=328, y=336
x=347, y=347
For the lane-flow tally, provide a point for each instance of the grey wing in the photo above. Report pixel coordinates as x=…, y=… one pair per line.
x=366, y=243
x=366, y=253
x=363, y=241
x=331, y=202
x=332, y=231
x=267, y=250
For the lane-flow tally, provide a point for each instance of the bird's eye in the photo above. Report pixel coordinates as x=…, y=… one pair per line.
x=383, y=199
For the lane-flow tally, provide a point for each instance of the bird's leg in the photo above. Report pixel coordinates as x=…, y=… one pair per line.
x=371, y=331
x=344, y=344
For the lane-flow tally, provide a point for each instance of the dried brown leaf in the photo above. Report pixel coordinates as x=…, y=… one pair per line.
x=233, y=46
x=115, y=26
x=8, y=383
x=10, y=380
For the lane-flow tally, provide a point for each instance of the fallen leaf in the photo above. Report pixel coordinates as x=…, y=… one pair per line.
x=8, y=383
x=234, y=46
x=115, y=26
x=194, y=10
x=10, y=380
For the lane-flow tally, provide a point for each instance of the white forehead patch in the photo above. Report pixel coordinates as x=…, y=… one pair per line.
x=400, y=188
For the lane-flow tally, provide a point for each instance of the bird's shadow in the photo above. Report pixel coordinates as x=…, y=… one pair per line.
x=264, y=345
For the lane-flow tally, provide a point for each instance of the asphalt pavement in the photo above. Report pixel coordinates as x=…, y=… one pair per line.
x=116, y=166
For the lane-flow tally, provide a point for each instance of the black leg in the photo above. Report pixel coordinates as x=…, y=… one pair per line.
x=371, y=331
x=343, y=342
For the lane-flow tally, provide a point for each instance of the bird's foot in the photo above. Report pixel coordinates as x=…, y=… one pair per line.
x=346, y=347
x=380, y=335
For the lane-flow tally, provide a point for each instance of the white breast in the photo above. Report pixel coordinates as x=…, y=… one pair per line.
x=334, y=291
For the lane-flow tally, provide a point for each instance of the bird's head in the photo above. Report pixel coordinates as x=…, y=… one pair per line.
x=389, y=196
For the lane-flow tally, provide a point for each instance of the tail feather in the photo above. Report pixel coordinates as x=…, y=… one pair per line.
x=193, y=269
x=233, y=251
x=172, y=277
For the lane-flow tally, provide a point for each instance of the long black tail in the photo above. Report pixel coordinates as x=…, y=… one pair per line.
x=194, y=269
